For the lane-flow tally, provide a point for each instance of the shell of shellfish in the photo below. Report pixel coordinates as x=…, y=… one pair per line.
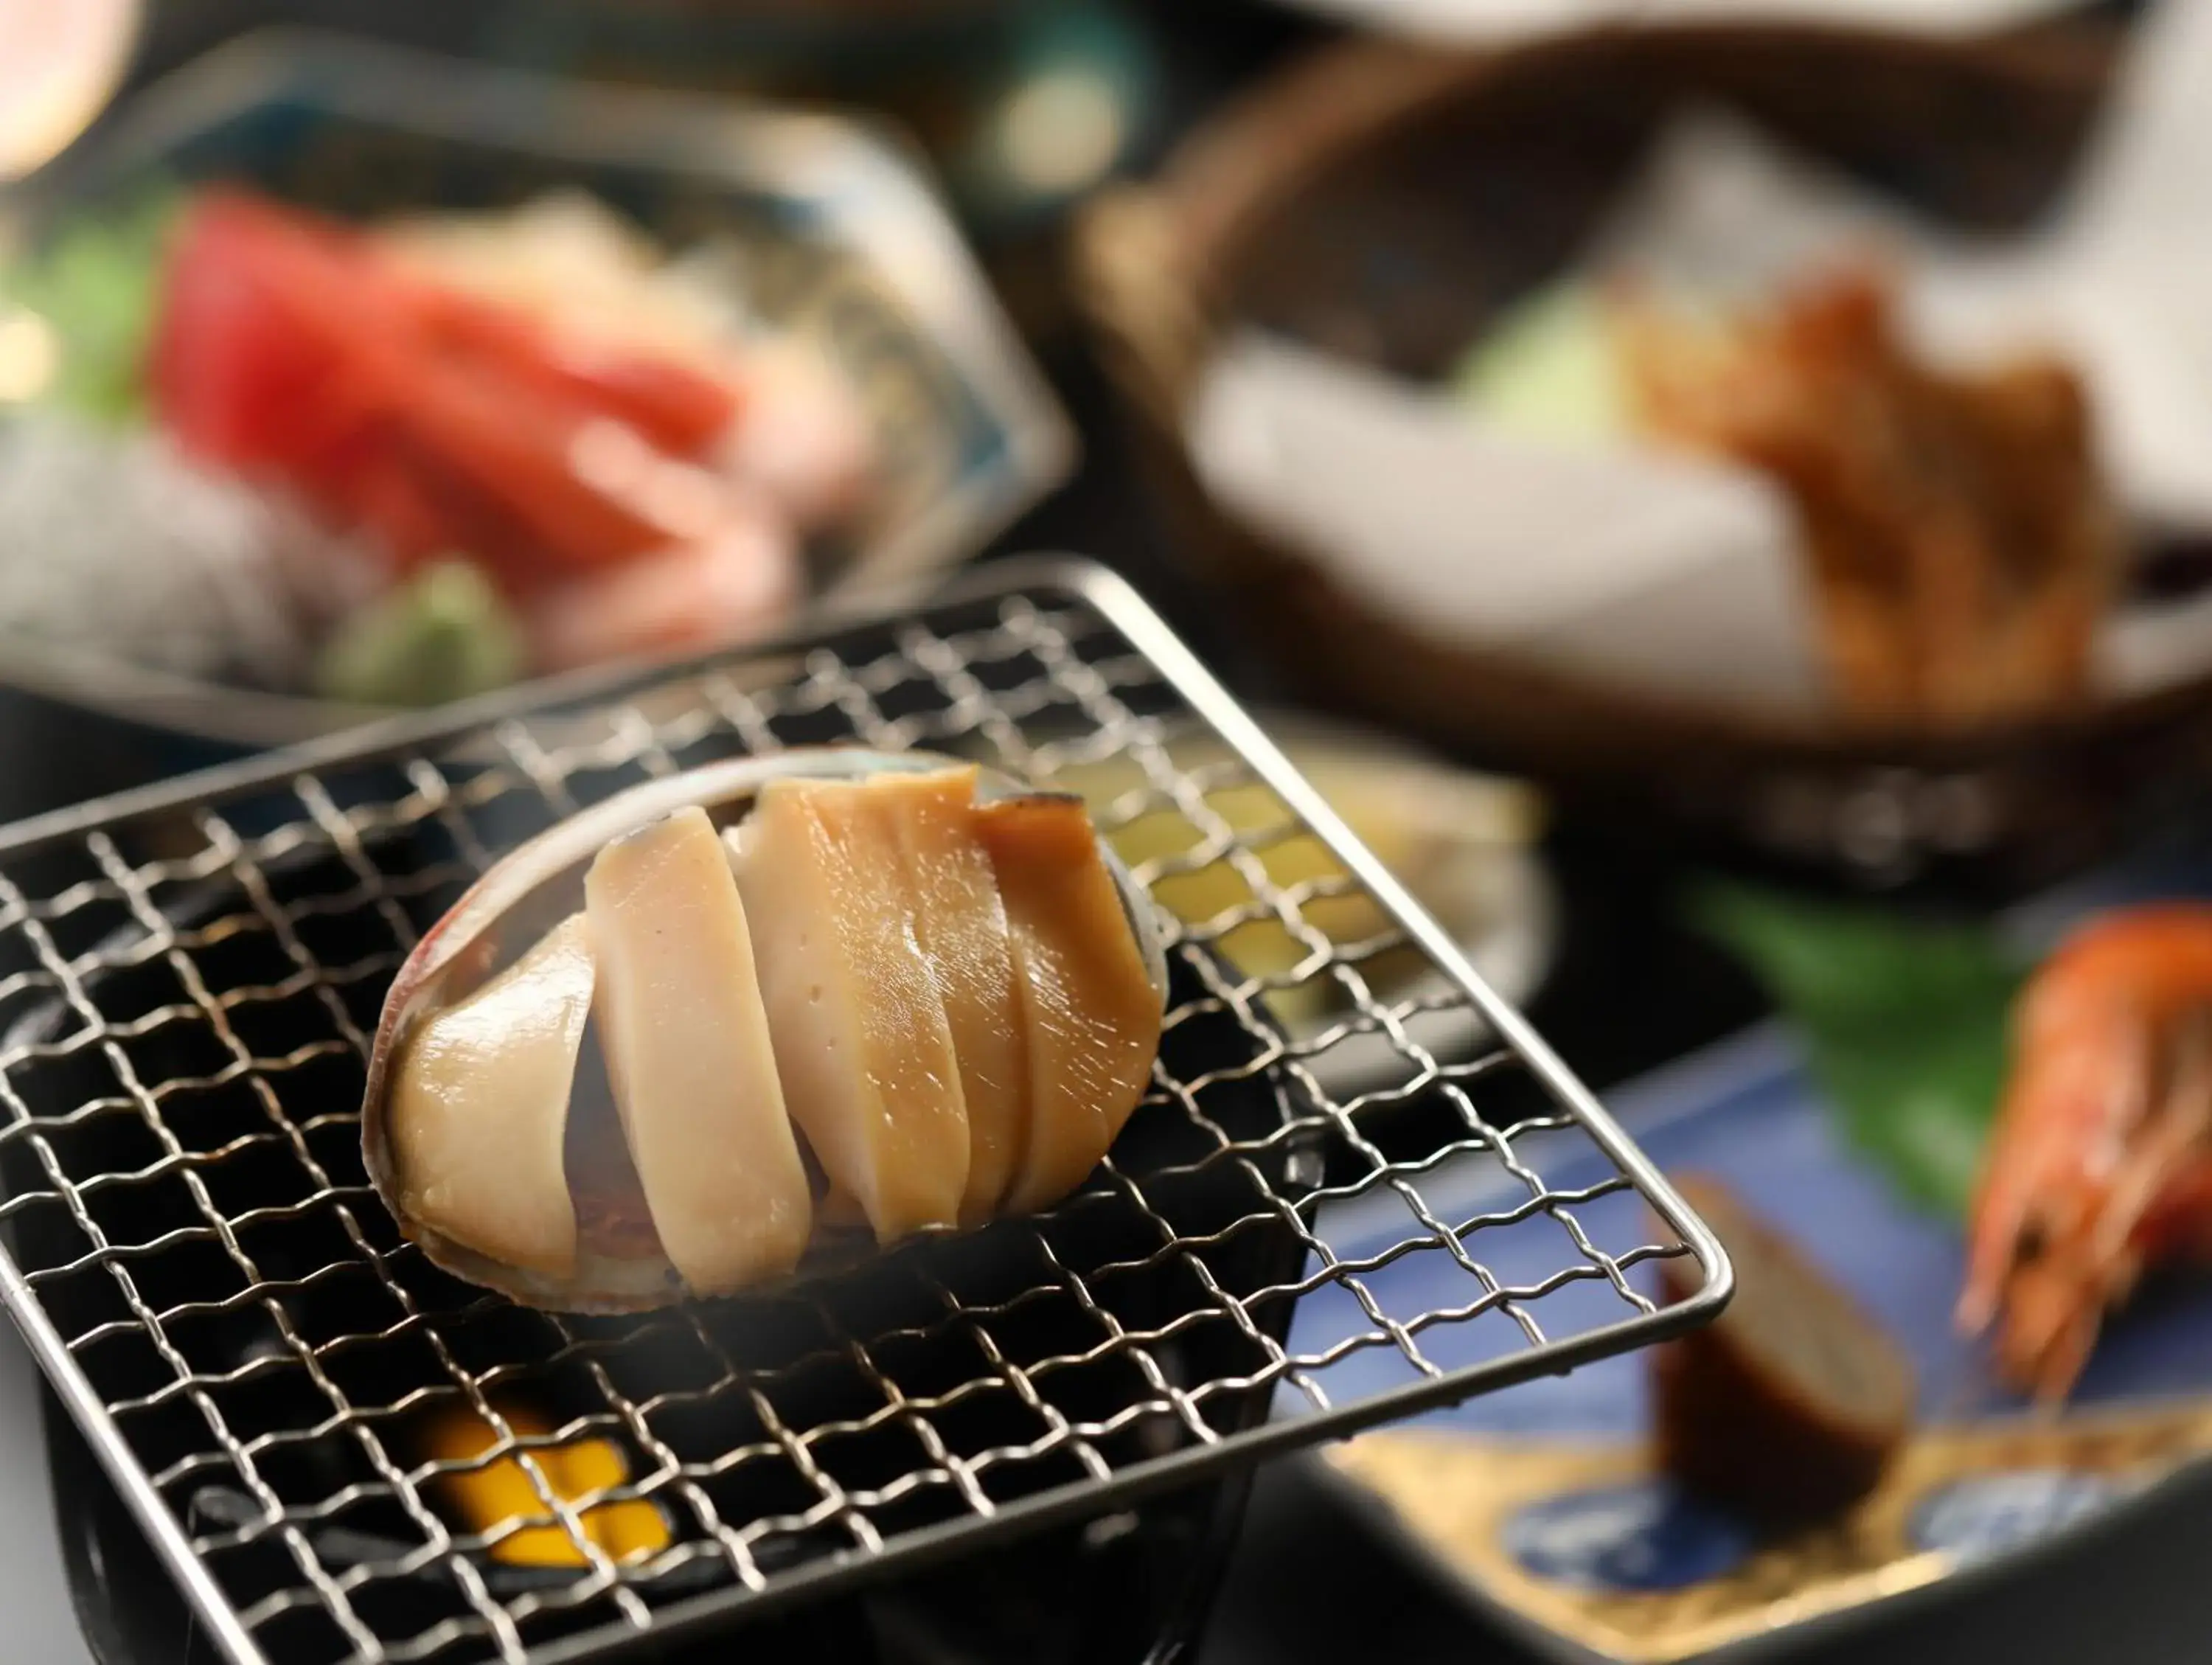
x=501, y=933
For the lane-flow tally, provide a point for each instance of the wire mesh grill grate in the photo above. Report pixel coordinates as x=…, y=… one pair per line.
x=187, y=982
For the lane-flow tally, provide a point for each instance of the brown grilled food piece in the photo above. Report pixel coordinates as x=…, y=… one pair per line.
x=1959, y=540
x=1792, y=1403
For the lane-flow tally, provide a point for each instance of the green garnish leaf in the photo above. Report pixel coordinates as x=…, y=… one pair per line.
x=93, y=283
x=445, y=634
x=1904, y=1024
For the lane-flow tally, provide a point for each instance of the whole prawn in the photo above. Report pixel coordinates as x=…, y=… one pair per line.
x=2100, y=1163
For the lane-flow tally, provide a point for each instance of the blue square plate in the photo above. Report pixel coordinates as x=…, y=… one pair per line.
x=1540, y=1501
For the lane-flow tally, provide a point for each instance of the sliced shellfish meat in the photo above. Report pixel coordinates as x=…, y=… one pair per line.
x=480, y=1110
x=861, y=1039
x=688, y=1053
x=1088, y=1009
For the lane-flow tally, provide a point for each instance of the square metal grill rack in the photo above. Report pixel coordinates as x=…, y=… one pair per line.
x=187, y=975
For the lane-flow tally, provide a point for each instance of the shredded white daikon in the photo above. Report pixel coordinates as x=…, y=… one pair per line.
x=116, y=543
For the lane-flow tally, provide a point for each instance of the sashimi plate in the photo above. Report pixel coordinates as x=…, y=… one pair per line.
x=1541, y=1503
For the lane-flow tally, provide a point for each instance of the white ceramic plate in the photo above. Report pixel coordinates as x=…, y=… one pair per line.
x=1462, y=841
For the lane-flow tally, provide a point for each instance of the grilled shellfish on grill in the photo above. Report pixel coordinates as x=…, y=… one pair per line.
x=670, y=1043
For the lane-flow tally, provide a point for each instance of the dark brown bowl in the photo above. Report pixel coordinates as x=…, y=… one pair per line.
x=1382, y=203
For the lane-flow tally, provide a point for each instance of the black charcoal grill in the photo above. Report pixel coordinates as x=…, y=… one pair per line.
x=187, y=978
